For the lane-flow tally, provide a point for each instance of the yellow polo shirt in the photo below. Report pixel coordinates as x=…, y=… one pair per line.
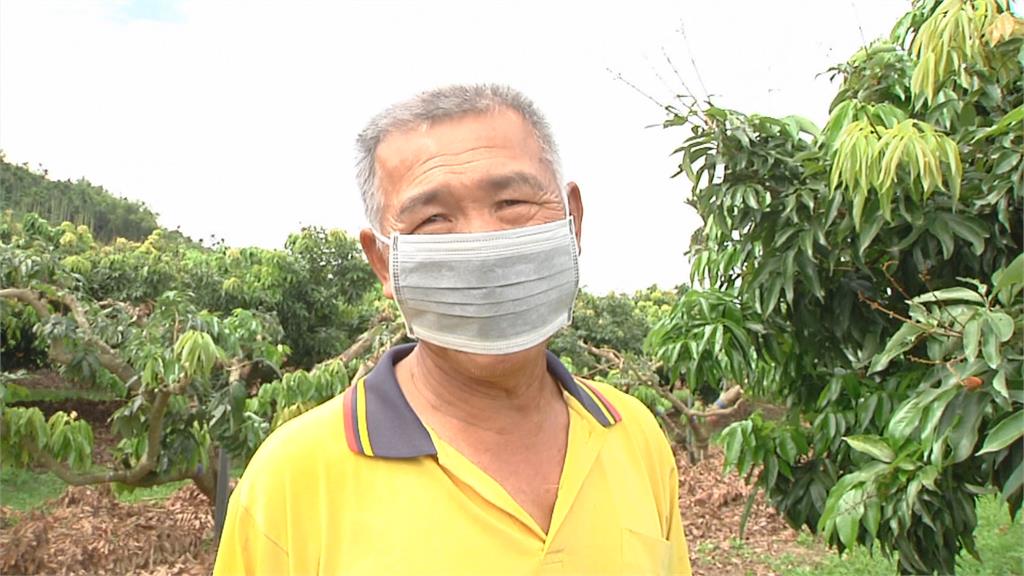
x=359, y=485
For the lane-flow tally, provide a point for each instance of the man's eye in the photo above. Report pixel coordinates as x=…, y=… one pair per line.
x=510, y=203
x=431, y=220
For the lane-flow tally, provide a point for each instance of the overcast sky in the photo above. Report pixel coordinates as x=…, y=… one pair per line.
x=237, y=119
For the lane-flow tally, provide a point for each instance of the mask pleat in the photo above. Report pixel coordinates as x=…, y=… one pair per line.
x=512, y=302
x=500, y=326
x=489, y=293
x=485, y=273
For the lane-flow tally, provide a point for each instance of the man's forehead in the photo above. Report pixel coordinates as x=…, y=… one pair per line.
x=500, y=128
x=468, y=147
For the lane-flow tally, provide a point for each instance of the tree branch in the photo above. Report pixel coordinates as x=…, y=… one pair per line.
x=27, y=297
x=366, y=366
x=896, y=316
x=108, y=358
x=608, y=354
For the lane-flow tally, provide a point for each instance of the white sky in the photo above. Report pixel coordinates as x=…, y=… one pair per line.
x=238, y=119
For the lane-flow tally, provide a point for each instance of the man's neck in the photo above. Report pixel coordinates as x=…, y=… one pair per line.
x=492, y=399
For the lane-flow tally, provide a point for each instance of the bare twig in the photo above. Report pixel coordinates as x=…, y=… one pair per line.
x=885, y=270
x=693, y=62
x=897, y=316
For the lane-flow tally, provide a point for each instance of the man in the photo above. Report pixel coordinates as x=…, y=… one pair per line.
x=473, y=451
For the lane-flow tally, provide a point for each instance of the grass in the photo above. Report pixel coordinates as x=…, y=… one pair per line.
x=1000, y=545
x=20, y=394
x=27, y=490
x=154, y=493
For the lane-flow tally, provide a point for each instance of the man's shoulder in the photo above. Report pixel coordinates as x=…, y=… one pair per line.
x=636, y=421
x=311, y=437
x=632, y=411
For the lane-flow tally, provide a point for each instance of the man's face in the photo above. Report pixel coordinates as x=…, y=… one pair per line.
x=474, y=173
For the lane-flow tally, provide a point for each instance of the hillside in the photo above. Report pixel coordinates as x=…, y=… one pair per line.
x=81, y=202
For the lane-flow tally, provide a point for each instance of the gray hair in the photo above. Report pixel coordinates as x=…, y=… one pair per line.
x=437, y=105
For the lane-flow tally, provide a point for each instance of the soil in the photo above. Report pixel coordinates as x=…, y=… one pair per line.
x=45, y=379
x=712, y=506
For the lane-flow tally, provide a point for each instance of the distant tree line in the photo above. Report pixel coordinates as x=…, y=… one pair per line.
x=79, y=202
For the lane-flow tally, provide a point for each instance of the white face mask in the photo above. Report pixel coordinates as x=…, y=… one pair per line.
x=486, y=292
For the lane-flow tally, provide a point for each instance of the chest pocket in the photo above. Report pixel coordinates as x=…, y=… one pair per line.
x=644, y=554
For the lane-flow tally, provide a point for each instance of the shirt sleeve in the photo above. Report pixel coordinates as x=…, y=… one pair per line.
x=245, y=549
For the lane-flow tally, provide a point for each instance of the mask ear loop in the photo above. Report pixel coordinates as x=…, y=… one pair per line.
x=570, y=219
x=396, y=285
x=565, y=201
x=382, y=239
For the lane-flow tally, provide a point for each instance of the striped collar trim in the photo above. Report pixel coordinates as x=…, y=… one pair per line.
x=379, y=421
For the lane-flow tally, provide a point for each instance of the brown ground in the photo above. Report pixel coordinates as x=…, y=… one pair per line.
x=88, y=531
x=712, y=505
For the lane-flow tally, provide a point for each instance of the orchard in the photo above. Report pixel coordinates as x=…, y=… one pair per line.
x=850, y=345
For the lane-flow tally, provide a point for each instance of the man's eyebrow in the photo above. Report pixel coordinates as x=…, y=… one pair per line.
x=503, y=182
x=495, y=184
x=419, y=200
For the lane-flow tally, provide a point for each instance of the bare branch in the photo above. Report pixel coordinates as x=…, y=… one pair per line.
x=77, y=313
x=366, y=366
x=28, y=297
x=929, y=329
x=608, y=354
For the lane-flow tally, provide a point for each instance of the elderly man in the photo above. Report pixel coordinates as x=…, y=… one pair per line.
x=473, y=451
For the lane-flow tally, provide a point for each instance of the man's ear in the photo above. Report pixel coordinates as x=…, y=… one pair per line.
x=377, y=256
x=576, y=210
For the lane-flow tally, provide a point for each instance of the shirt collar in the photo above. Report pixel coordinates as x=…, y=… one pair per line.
x=380, y=422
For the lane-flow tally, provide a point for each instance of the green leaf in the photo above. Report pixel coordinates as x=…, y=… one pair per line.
x=941, y=231
x=908, y=416
x=1004, y=124
x=859, y=199
x=948, y=294
x=787, y=447
x=902, y=341
x=733, y=439
x=1009, y=279
x=1004, y=433
x=999, y=384
x=868, y=232
x=872, y=446
x=990, y=347
x=872, y=515
x=1001, y=325
x=968, y=228
x=971, y=338
x=933, y=411
x=849, y=512
x=964, y=434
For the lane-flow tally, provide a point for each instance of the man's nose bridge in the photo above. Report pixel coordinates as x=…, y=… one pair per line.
x=479, y=218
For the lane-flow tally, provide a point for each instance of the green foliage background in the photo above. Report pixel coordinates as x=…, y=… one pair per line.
x=869, y=275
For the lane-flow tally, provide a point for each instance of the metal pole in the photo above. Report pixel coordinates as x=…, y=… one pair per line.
x=221, y=504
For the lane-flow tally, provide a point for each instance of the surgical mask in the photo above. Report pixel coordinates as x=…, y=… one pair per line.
x=486, y=292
